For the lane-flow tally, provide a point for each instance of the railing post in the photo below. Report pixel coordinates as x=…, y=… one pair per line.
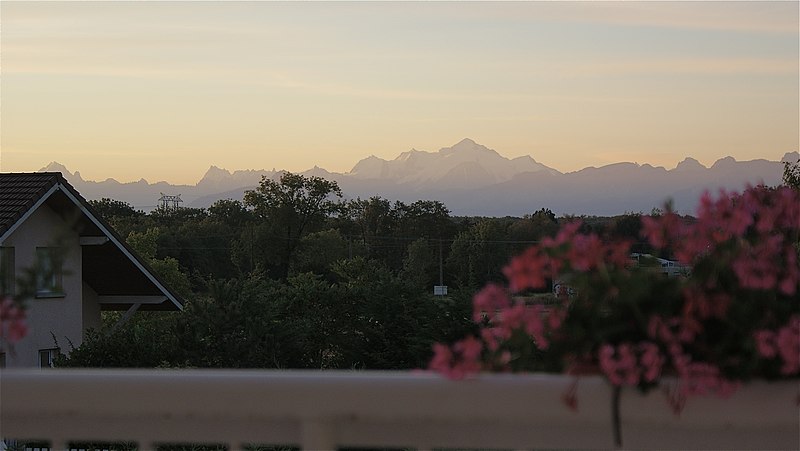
x=318, y=434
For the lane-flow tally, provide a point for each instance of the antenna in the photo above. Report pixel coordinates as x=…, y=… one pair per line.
x=170, y=203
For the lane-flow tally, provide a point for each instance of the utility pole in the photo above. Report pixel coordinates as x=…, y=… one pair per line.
x=441, y=268
x=441, y=289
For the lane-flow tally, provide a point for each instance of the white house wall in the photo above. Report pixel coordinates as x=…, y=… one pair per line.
x=64, y=316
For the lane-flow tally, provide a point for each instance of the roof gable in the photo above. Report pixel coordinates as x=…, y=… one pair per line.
x=22, y=193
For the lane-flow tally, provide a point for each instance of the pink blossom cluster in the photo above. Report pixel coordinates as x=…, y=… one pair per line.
x=626, y=364
x=743, y=249
x=784, y=343
x=503, y=316
x=455, y=362
x=755, y=231
x=568, y=251
x=500, y=317
x=673, y=331
x=12, y=321
x=695, y=378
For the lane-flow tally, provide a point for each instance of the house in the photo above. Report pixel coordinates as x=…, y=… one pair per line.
x=74, y=263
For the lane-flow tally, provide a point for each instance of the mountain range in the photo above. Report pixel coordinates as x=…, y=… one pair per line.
x=474, y=180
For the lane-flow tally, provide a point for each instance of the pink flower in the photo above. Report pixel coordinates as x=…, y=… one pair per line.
x=488, y=301
x=528, y=270
x=566, y=233
x=651, y=361
x=513, y=317
x=490, y=338
x=619, y=364
x=765, y=343
x=569, y=397
x=586, y=252
x=704, y=303
x=791, y=277
x=697, y=378
x=742, y=249
x=788, y=343
x=12, y=321
x=470, y=348
x=534, y=327
x=464, y=358
x=618, y=254
x=757, y=267
x=662, y=230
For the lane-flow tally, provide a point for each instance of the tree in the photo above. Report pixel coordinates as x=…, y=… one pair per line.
x=420, y=219
x=628, y=227
x=373, y=222
x=533, y=227
x=371, y=218
x=791, y=174
x=424, y=218
x=420, y=265
x=229, y=212
x=108, y=208
x=145, y=244
x=291, y=206
x=319, y=250
x=120, y=215
x=477, y=255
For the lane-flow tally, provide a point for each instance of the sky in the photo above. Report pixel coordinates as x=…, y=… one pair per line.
x=163, y=90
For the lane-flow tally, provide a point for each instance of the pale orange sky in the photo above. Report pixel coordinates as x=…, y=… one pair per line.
x=164, y=90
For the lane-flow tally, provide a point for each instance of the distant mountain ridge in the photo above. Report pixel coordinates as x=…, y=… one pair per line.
x=467, y=164
x=472, y=179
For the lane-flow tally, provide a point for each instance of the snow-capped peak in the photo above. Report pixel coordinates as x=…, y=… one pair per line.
x=466, y=156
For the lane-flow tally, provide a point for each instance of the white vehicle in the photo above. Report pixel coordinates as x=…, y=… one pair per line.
x=671, y=268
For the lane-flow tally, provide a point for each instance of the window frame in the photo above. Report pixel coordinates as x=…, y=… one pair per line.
x=7, y=271
x=51, y=354
x=49, y=272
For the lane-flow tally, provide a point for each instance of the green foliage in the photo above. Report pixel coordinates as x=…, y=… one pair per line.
x=145, y=243
x=292, y=277
x=791, y=174
x=144, y=341
x=319, y=250
x=229, y=212
x=291, y=206
x=534, y=227
x=420, y=267
x=170, y=272
x=168, y=268
x=111, y=207
x=369, y=318
x=479, y=254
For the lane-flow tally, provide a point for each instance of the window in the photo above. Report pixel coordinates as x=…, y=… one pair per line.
x=2, y=359
x=48, y=273
x=46, y=357
x=7, y=275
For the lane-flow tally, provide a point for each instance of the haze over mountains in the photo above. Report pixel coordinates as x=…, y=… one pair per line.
x=472, y=179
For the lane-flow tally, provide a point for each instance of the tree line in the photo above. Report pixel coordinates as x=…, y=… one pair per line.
x=294, y=276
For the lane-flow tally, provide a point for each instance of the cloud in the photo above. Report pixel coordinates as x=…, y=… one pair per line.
x=737, y=16
x=692, y=66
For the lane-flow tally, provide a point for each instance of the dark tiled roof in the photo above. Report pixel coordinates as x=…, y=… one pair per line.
x=20, y=191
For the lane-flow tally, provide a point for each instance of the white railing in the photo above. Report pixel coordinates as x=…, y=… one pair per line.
x=325, y=410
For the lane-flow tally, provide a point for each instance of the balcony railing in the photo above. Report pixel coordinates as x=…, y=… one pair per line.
x=326, y=410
